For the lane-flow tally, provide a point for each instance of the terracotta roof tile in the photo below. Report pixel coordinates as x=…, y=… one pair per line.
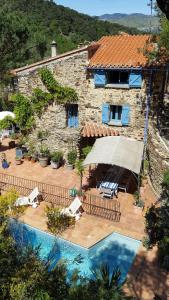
x=94, y=130
x=120, y=51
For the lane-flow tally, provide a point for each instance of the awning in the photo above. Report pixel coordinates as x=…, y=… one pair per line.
x=4, y=114
x=117, y=150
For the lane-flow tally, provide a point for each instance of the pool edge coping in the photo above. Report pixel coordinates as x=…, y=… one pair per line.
x=87, y=248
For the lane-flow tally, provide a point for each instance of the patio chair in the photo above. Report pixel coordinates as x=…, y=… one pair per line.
x=29, y=200
x=123, y=187
x=107, y=193
x=73, y=209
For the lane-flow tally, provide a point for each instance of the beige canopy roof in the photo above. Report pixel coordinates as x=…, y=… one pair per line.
x=117, y=150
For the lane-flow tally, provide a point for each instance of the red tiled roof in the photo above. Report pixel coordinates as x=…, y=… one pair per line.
x=94, y=130
x=120, y=51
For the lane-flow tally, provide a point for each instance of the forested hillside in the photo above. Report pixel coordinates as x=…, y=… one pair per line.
x=28, y=27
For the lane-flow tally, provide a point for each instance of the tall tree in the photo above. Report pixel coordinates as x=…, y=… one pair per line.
x=14, y=34
x=164, y=6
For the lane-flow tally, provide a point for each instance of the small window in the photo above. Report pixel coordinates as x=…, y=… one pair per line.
x=116, y=115
x=117, y=77
x=72, y=115
x=14, y=84
x=115, y=112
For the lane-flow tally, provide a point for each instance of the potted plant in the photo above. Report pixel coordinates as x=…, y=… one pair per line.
x=34, y=157
x=138, y=202
x=33, y=152
x=71, y=158
x=56, y=159
x=27, y=156
x=18, y=160
x=44, y=156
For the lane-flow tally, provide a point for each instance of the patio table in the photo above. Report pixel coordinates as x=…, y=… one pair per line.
x=111, y=187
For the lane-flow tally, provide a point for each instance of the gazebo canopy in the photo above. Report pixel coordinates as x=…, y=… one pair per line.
x=117, y=150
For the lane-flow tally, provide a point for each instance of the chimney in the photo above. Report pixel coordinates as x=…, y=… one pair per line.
x=53, y=49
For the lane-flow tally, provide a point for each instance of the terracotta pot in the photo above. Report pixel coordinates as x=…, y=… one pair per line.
x=18, y=161
x=27, y=158
x=33, y=160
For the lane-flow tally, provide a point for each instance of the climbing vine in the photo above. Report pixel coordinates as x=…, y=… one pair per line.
x=40, y=100
x=25, y=109
x=48, y=80
x=23, y=112
x=62, y=94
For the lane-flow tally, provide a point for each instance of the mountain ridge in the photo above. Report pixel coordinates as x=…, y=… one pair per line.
x=140, y=21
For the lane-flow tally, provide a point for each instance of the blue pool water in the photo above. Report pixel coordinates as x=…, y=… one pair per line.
x=115, y=250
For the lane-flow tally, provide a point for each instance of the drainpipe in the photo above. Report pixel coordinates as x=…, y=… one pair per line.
x=149, y=94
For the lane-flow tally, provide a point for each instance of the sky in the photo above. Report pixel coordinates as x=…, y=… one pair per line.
x=100, y=7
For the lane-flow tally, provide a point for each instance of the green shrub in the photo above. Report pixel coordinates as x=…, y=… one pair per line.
x=146, y=242
x=7, y=122
x=86, y=150
x=42, y=135
x=23, y=112
x=44, y=152
x=163, y=252
x=71, y=157
x=56, y=156
x=58, y=222
x=166, y=179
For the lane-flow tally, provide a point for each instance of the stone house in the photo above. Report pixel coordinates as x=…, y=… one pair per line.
x=118, y=91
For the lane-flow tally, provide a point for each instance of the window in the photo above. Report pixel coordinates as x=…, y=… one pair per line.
x=14, y=84
x=116, y=114
x=117, y=77
x=72, y=115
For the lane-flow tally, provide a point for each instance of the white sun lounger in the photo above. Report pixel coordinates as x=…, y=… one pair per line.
x=29, y=200
x=73, y=209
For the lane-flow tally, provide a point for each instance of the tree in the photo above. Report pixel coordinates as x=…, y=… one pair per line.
x=157, y=224
x=164, y=6
x=14, y=35
x=80, y=171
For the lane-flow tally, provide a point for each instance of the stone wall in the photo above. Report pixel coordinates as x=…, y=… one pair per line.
x=71, y=71
x=158, y=154
x=158, y=138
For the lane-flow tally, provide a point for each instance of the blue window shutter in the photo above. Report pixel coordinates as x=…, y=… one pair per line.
x=70, y=119
x=105, y=113
x=99, y=78
x=135, y=80
x=72, y=116
x=125, y=117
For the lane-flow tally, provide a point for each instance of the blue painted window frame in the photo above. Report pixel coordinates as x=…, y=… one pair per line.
x=118, y=114
x=72, y=116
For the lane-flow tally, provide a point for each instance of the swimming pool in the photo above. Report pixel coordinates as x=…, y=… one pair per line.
x=115, y=250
